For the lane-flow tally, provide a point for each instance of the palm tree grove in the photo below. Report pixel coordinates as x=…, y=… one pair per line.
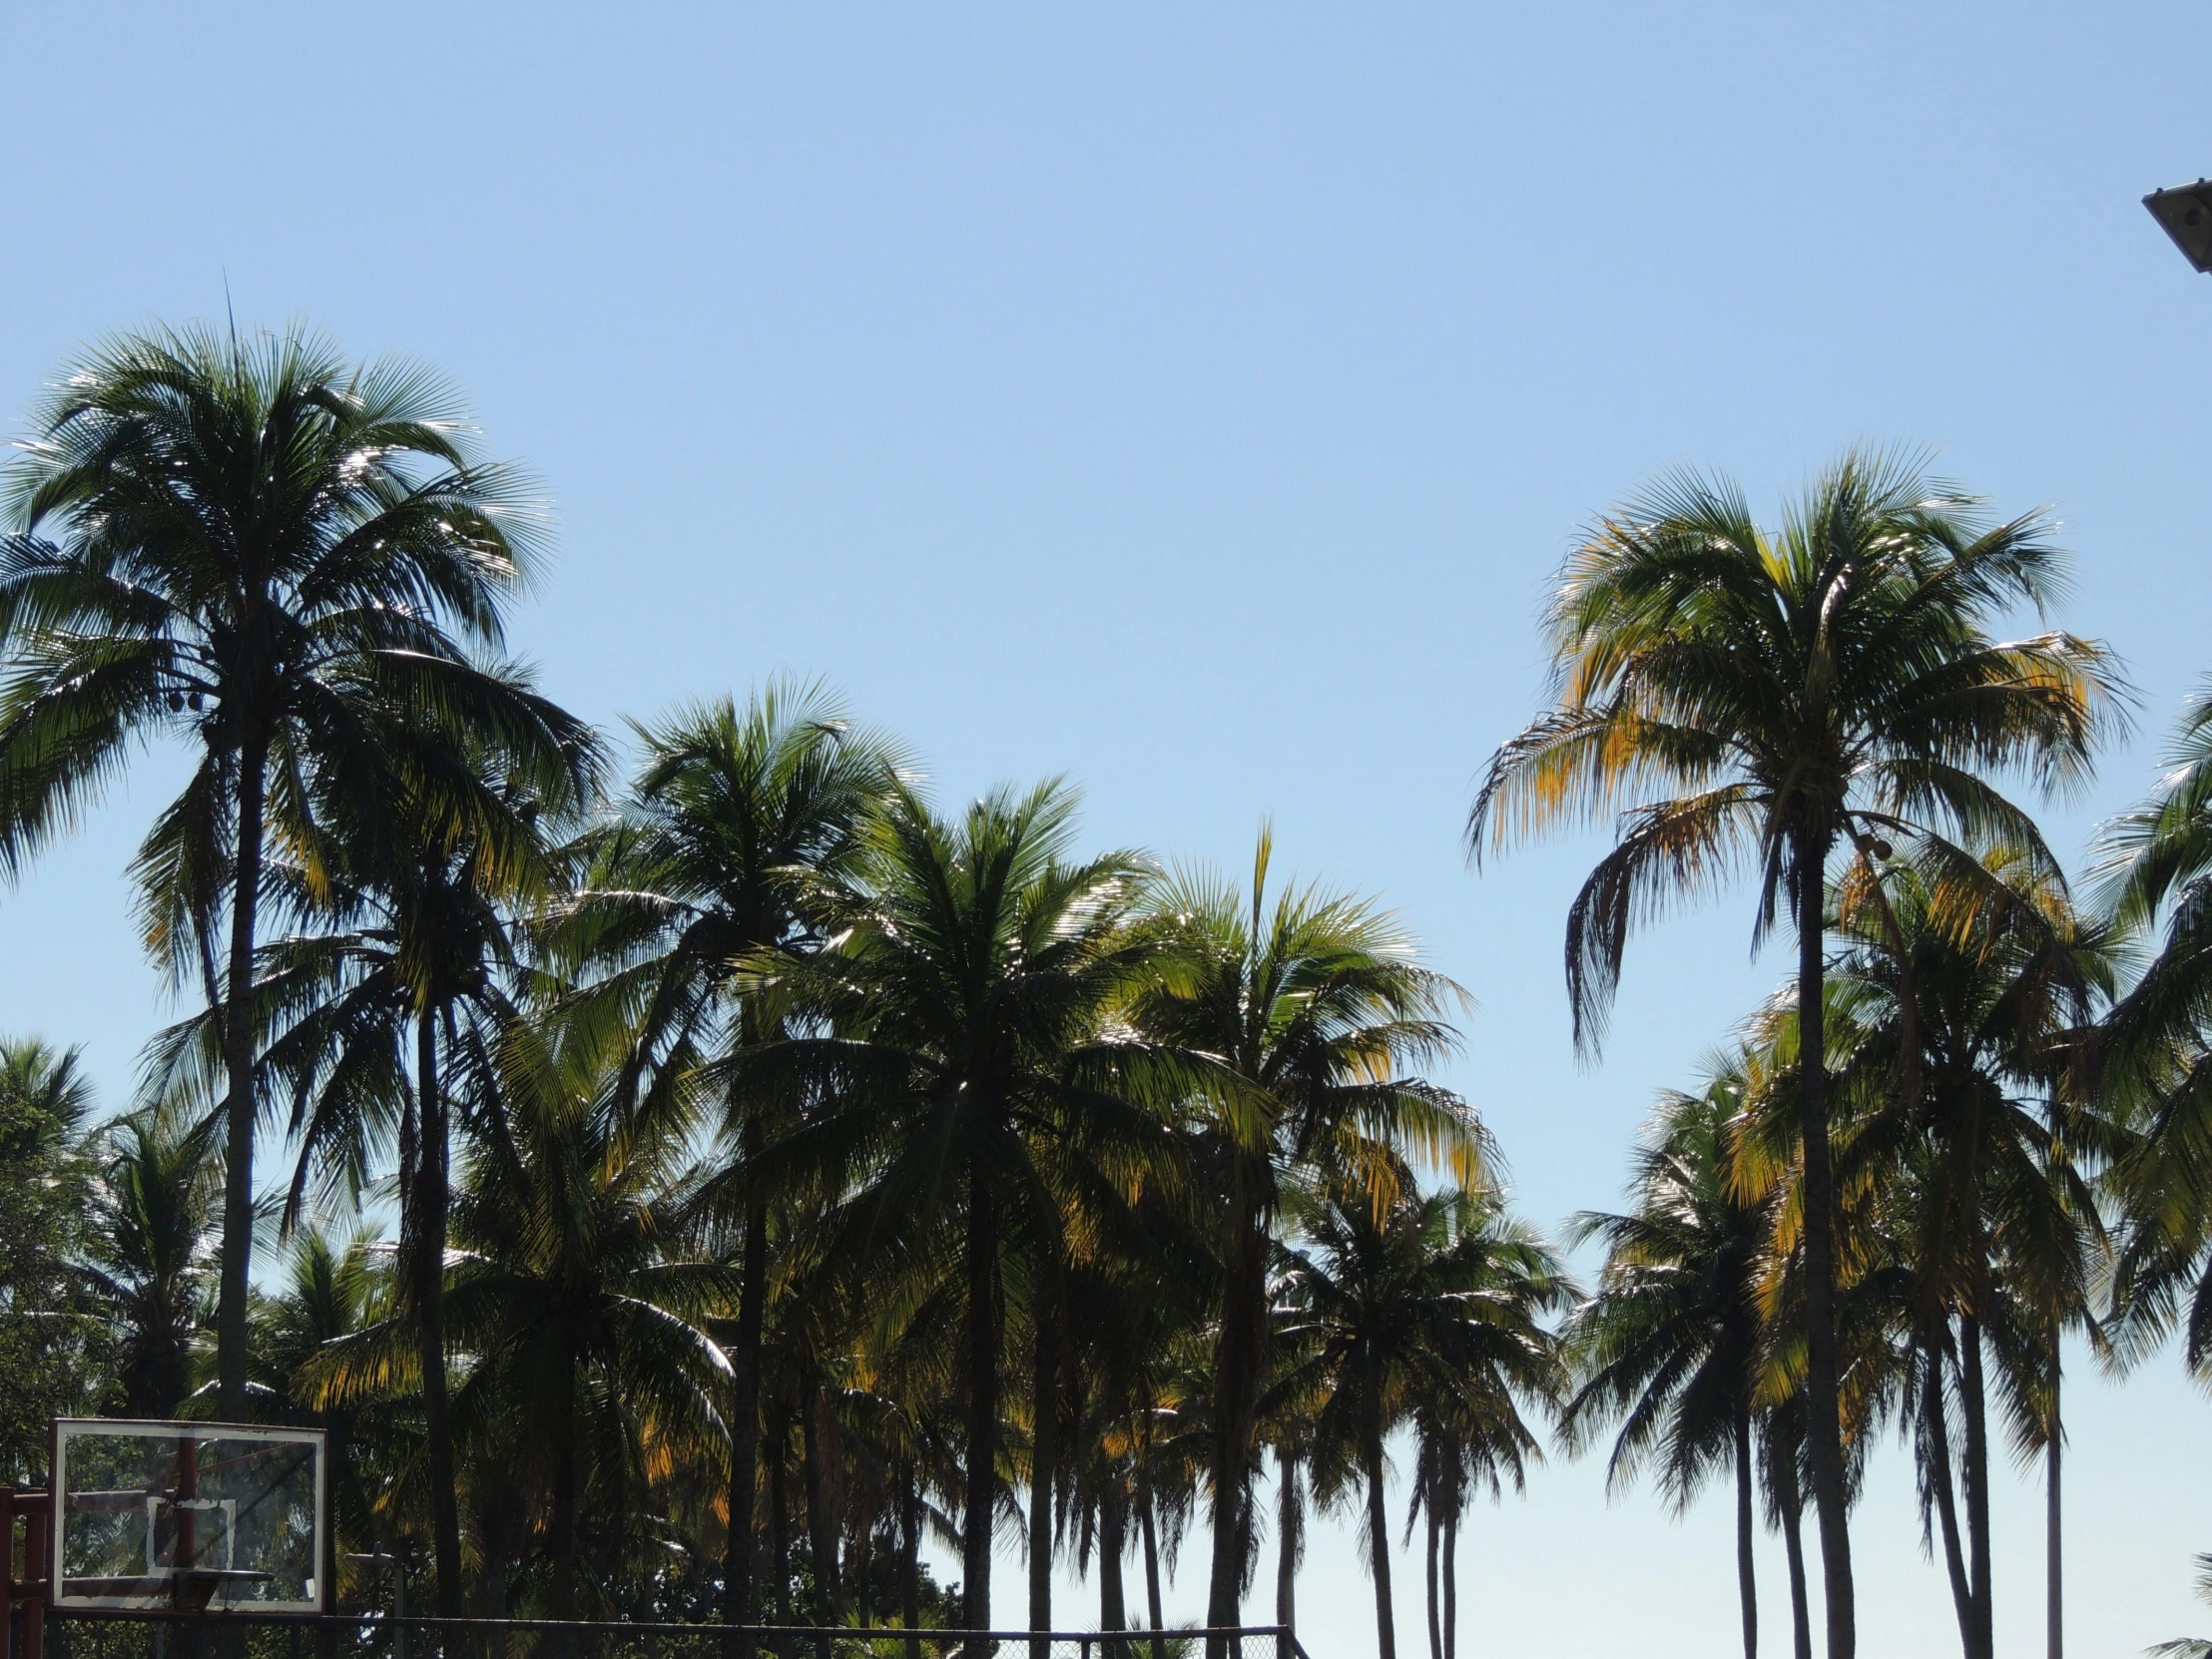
x=696, y=1173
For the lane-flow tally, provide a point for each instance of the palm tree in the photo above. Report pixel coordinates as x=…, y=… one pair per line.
x=52, y=1341
x=572, y=1302
x=2153, y=1056
x=965, y=1085
x=379, y=1020
x=1671, y=1344
x=1956, y=999
x=260, y=549
x=148, y=1256
x=1833, y=683
x=1432, y=1301
x=1314, y=1017
x=740, y=822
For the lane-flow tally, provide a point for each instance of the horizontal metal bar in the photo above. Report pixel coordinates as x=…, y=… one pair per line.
x=644, y=1629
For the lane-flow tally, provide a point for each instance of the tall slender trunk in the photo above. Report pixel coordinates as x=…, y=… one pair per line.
x=818, y=1461
x=1824, y=1420
x=739, y=1597
x=1451, y=1582
x=239, y=1114
x=1378, y=1535
x=1151, y=1530
x=1435, y=1623
x=2054, y=1577
x=983, y=1405
x=1977, y=1483
x=1747, y=1585
x=429, y=1192
x=1936, y=1415
x=500, y=1549
x=1044, y=1460
x=1793, y=1545
x=910, y=1556
x=1237, y=1377
x=1113, y=1545
x=566, y=1500
x=859, y=1565
x=780, y=1517
x=1290, y=1537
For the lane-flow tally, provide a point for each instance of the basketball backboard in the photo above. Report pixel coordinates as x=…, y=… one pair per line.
x=210, y=1516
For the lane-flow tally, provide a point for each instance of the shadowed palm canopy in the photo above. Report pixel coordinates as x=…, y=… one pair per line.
x=1669, y=1346
x=255, y=547
x=1436, y=1307
x=1317, y=1019
x=1949, y=1026
x=962, y=1022
x=1836, y=679
x=2153, y=1061
x=742, y=829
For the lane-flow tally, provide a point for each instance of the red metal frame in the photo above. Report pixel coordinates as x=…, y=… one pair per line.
x=35, y=1589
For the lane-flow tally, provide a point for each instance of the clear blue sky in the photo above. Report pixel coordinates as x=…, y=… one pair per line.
x=1194, y=400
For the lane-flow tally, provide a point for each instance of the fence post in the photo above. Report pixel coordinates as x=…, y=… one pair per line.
x=7, y=1571
x=39, y=1521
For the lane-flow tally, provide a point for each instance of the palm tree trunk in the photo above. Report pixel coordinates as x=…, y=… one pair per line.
x=430, y=1191
x=822, y=1529
x=239, y=1114
x=739, y=1599
x=1151, y=1530
x=1451, y=1582
x=1977, y=1483
x=1747, y=1587
x=2054, y=1578
x=1435, y=1626
x=1044, y=1459
x=910, y=1556
x=1793, y=1544
x=1113, y=1544
x=1934, y=1415
x=1238, y=1379
x=1378, y=1537
x=1290, y=1539
x=566, y=1498
x=1824, y=1425
x=982, y=1403
x=780, y=1515
x=859, y=1565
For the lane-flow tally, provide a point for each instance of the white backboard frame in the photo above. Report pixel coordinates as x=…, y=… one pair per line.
x=66, y=1429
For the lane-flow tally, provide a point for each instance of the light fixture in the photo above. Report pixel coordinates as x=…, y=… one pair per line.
x=2186, y=214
